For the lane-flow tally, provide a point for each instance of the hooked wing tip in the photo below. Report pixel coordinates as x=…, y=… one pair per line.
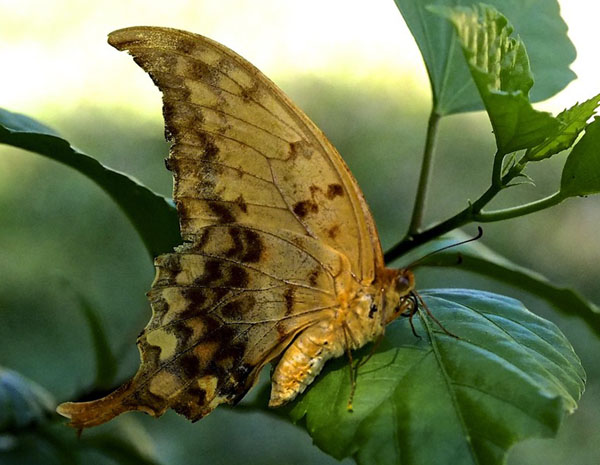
x=84, y=414
x=96, y=412
x=128, y=37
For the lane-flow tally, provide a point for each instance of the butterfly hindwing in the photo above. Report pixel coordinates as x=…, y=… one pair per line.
x=222, y=308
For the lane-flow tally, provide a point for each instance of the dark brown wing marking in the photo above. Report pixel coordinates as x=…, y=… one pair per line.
x=221, y=310
x=264, y=152
x=272, y=218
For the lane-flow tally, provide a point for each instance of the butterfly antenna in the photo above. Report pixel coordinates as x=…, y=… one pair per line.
x=466, y=241
x=426, y=308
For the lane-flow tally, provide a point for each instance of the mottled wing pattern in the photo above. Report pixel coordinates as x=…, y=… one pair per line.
x=270, y=216
x=244, y=153
x=221, y=311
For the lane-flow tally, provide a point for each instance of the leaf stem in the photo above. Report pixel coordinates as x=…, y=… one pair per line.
x=497, y=179
x=507, y=213
x=473, y=212
x=425, y=176
x=411, y=241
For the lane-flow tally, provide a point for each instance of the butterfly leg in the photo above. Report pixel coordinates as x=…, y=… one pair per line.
x=424, y=305
x=353, y=370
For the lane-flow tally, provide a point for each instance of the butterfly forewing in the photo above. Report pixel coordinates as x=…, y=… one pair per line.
x=252, y=151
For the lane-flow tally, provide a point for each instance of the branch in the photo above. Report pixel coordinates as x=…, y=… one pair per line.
x=425, y=176
x=474, y=211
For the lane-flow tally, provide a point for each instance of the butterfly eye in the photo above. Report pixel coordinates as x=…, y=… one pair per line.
x=402, y=283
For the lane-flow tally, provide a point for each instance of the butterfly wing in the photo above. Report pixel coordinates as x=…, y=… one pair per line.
x=243, y=152
x=270, y=214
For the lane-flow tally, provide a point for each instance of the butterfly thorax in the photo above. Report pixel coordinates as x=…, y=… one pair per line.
x=396, y=287
x=363, y=312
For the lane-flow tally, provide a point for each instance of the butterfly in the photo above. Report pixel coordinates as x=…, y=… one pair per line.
x=280, y=261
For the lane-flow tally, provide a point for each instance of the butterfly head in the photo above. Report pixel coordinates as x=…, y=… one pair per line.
x=404, y=282
x=396, y=293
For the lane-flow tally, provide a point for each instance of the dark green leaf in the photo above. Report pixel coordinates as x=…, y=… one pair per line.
x=539, y=24
x=106, y=362
x=478, y=258
x=572, y=122
x=510, y=376
x=500, y=68
x=581, y=174
x=54, y=443
x=23, y=403
x=127, y=443
x=122, y=451
x=154, y=218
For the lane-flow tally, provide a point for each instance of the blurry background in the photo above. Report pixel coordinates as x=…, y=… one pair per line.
x=354, y=68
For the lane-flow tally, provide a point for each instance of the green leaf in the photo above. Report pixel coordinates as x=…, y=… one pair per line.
x=572, y=122
x=510, y=376
x=106, y=362
x=122, y=451
x=476, y=257
x=153, y=217
x=581, y=173
x=539, y=23
x=23, y=403
x=500, y=68
x=53, y=443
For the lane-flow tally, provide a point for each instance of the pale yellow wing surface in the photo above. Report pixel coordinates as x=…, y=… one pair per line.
x=244, y=153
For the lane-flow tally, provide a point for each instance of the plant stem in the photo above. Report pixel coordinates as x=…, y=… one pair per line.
x=425, y=176
x=473, y=212
x=414, y=240
x=505, y=214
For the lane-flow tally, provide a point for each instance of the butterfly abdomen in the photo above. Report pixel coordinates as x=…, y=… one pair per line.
x=352, y=327
x=303, y=361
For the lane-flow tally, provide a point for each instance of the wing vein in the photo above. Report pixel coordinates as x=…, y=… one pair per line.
x=198, y=60
x=239, y=119
x=224, y=165
x=183, y=352
x=258, y=270
x=305, y=226
x=228, y=201
x=218, y=134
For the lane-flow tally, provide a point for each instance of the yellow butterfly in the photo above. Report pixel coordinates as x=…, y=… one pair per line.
x=281, y=260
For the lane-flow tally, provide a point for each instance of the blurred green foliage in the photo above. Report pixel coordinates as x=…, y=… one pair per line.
x=57, y=225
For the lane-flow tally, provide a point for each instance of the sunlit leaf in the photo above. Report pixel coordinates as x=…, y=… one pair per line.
x=499, y=66
x=581, y=174
x=510, y=376
x=572, y=122
x=153, y=217
x=538, y=22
